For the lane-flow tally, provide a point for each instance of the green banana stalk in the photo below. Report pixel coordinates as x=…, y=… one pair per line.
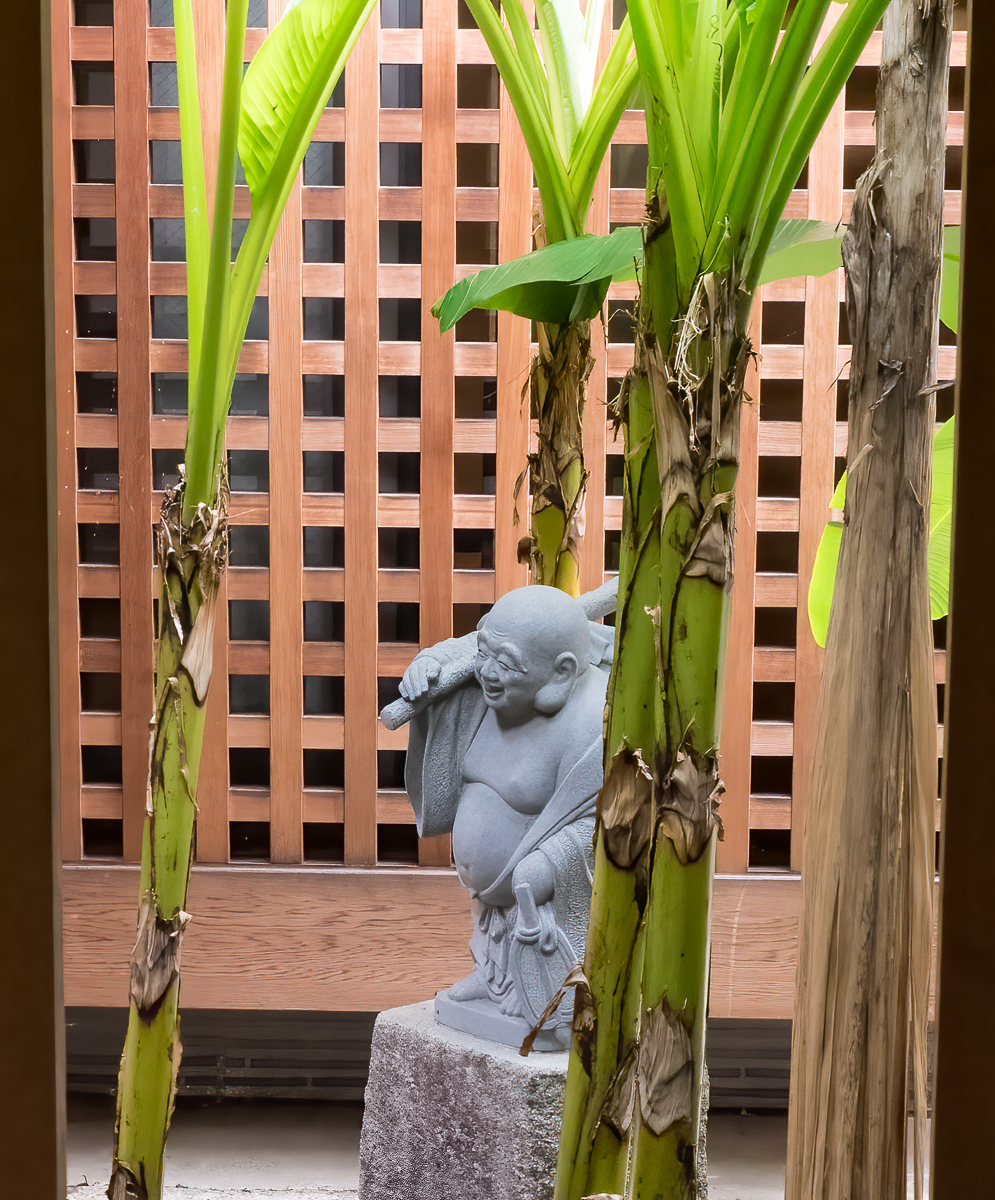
x=266, y=120
x=736, y=105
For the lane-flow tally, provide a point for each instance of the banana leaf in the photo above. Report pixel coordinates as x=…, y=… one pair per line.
x=950, y=279
x=820, y=591
x=564, y=282
x=568, y=281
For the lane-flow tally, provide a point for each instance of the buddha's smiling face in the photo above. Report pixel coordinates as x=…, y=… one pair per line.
x=509, y=676
x=532, y=647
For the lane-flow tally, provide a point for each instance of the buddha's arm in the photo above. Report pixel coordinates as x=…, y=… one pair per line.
x=433, y=673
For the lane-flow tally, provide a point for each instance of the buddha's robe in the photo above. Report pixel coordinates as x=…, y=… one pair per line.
x=522, y=972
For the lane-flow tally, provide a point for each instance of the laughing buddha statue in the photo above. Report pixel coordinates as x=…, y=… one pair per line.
x=510, y=763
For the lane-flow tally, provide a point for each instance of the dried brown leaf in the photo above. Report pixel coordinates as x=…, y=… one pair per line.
x=626, y=808
x=155, y=960
x=124, y=1185
x=664, y=1070
x=689, y=805
x=620, y=1103
x=576, y=979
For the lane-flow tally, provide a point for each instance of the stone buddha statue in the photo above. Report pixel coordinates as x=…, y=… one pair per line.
x=510, y=762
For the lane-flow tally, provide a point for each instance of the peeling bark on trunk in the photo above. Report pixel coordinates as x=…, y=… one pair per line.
x=191, y=562
x=557, y=476
x=633, y=1122
x=863, y=977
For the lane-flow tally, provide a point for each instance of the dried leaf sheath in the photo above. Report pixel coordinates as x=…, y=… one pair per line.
x=191, y=563
x=863, y=977
x=557, y=475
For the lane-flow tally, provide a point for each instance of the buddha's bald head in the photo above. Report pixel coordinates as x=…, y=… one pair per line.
x=533, y=646
x=543, y=621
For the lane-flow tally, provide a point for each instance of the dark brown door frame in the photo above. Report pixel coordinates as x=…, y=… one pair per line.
x=32, y=1106
x=32, y=1117
x=964, y=1098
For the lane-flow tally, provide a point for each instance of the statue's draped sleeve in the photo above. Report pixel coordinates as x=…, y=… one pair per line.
x=439, y=738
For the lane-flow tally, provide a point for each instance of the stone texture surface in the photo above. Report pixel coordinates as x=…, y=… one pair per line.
x=179, y=1191
x=450, y=1117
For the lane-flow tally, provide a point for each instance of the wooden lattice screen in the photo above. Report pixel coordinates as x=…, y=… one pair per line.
x=373, y=463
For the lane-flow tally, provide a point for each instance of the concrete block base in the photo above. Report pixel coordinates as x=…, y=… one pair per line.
x=451, y=1117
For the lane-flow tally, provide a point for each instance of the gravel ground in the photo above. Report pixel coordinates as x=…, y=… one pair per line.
x=98, y=1191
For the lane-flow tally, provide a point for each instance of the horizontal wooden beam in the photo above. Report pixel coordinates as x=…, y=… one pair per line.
x=337, y=939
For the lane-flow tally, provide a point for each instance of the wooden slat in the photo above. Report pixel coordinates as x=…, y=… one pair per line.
x=775, y=738
x=733, y=852
x=514, y=218
x=64, y=387
x=592, y=571
x=437, y=350
x=86, y=43
x=131, y=82
x=361, y=402
x=286, y=483
x=776, y=591
x=770, y=812
x=373, y=939
x=825, y=182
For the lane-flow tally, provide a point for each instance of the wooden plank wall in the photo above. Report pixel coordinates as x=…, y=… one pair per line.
x=373, y=462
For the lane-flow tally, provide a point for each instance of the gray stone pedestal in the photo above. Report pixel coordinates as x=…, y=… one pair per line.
x=451, y=1117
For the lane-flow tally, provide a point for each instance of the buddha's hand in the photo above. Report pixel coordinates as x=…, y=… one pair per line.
x=533, y=883
x=420, y=677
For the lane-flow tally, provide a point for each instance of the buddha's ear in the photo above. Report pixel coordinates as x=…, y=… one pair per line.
x=552, y=696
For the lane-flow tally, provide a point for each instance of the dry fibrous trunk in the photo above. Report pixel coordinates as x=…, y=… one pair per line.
x=863, y=976
x=557, y=475
x=191, y=562
x=633, y=1121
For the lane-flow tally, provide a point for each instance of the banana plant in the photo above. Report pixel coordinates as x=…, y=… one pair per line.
x=568, y=112
x=267, y=120
x=736, y=93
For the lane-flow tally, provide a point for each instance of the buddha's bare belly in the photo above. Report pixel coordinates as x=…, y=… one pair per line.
x=486, y=833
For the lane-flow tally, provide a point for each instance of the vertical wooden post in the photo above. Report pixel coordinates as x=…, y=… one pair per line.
x=64, y=383
x=437, y=350
x=818, y=435
x=733, y=853
x=286, y=549
x=362, y=229
x=514, y=340
x=131, y=194
x=963, y=1100
x=592, y=563
x=32, y=1107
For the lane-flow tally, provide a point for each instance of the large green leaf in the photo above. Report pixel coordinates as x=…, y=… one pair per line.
x=568, y=281
x=820, y=592
x=284, y=92
x=801, y=247
x=941, y=520
x=288, y=83
x=566, y=58
x=564, y=282
x=950, y=279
